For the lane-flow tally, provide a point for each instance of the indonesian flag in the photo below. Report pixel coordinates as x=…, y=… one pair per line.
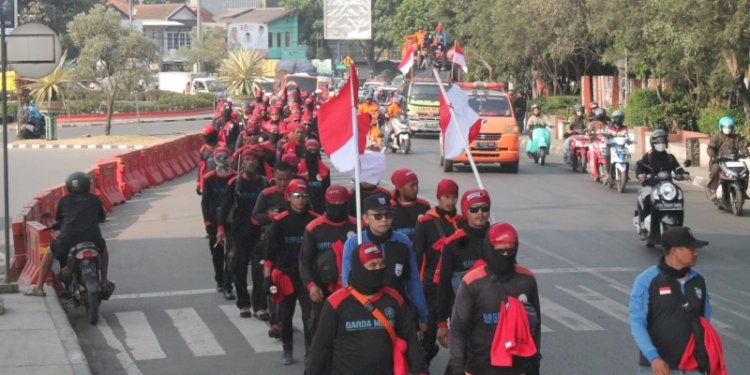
x=469, y=121
x=407, y=61
x=459, y=58
x=335, y=126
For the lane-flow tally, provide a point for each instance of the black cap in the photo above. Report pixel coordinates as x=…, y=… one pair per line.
x=377, y=202
x=680, y=237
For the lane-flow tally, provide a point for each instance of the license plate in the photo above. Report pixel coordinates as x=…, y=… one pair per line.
x=431, y=125
x=669, y=206
x=485, y=145
x=735, y=164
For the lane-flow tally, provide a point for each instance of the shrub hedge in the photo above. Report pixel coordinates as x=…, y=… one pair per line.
x=556, y=105
x=708, y=121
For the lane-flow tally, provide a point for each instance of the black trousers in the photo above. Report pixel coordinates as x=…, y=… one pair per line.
x=222, y=275
x=286, y=313
x=430, y=336
x=243, y=245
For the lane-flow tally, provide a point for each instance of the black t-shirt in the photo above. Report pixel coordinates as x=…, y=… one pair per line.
x=79, y=215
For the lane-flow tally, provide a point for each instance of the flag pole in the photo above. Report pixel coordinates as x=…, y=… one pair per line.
x=453, y=60
x=355, y=129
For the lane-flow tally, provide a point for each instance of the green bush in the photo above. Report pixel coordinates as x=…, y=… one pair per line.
x=709, y=118
x=176, y=102
x=12, y=110
x=556, y=105
x=641, y=108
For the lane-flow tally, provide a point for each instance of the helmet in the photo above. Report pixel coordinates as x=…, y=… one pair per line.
x=726, y=122
x=78, y=182
x=618, y=113
x=658, y=133
x=599, y=112
x=369, y=97
x=535, y=105
x=593, y=106
x=577, y=108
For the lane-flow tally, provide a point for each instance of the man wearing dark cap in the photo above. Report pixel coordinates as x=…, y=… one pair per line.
x=366, y=189
x=432, y=229
x=495, y=325
x=402, y=273
x=407, y=207
x=282, y=256
x=665, y=304
x=322, y=250
x=352, y=336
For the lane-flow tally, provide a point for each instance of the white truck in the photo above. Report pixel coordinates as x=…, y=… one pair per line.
x=199, y=82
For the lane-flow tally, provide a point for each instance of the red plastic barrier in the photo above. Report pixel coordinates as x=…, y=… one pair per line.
x=48, y=200
x=105, y=179
x=163, y=162
x=182, y=155
x=150, y=158
x=18, y=229
x=127, y=180
x=195, y=143
x=97, y=188
x=174, y=159
x=37, y=244
x=141, y=169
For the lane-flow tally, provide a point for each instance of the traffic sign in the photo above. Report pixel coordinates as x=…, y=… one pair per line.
x=33, y=50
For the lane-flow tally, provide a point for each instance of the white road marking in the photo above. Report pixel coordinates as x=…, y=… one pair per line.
x=566, y=317
x=139, y=336
x=172, y=293
x=600, y=302
x=126, y=361
x=253, y=330
x=546, y=329
x=194, y=331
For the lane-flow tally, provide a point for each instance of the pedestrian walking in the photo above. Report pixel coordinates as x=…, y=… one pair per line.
x=407, y=206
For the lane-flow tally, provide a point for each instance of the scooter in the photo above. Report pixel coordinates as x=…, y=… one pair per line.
x=579, y=146
x=597, y=157
x=619, y=163
x=399, y=134
x=538, y=146
x=34, y=126
x=732, y=190
x=83, y=283
x=667, y=206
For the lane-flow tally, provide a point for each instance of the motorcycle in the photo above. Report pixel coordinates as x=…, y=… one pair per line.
x=538, y=146
x=579, y=146
x=399, y=134
x=83, y=286
x=667, y=206
x=33, y=126
x=597, y=157
x=733, y=176
x=619, y=163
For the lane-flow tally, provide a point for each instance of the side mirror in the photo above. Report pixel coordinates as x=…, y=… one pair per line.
x=687, y=163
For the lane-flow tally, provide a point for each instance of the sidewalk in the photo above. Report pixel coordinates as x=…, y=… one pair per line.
x=37, y=337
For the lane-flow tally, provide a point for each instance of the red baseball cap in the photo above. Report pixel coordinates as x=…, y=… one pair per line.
x=502, y=234
x=403, y=176
x=297, y=185
x=337, y=193
x=446, y=187
x=472, y=197
x=369, y=251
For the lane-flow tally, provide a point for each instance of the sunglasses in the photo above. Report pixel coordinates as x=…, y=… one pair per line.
x=382, y=215
x=509, y=251
x=483, y=208
x=222, y=158
x=299, y=195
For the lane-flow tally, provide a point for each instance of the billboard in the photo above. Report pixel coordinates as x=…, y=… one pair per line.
x=348, y=19
x=249, y=36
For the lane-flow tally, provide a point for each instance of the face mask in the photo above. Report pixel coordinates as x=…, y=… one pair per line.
x=363, y=280
x=211, y=139
x=336, y=212
x=660, y=147
x=272, y=137
x=497, y=263
x=726, y=130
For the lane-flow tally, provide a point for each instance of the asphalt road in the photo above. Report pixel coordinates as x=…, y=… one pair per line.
x=576, y=235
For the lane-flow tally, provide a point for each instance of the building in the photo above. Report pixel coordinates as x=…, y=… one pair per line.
x=221, y=6
x=282, y=26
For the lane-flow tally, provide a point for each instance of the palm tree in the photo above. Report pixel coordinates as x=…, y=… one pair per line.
x=49, y=89
x=239, y=71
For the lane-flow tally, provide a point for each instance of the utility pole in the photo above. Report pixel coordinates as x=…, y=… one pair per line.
x=6, y=286
x=198, y=32
x=130, y=12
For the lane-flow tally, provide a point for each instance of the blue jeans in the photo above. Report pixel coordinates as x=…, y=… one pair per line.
x=643, y=370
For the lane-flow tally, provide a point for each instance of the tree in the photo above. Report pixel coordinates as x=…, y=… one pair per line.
x=111, y=54
x=54, y=13
x=209, y=51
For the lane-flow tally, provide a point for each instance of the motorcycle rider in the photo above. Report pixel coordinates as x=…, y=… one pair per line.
x=535, y=119
x=577, y=122
x=78, y=216
x=598, y=122
x=394, y=110
x=615, y=129
x=726, y=141
x=655, y=161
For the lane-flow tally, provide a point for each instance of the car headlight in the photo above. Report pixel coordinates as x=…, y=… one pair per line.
x=668, y=191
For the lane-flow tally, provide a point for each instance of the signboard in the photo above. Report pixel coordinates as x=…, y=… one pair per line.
x=33, y=50
x=248, y=36
x=347, y=19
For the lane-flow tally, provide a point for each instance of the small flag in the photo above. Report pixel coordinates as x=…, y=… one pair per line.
x=459, y=58
x=407, y=61
x=665, y=290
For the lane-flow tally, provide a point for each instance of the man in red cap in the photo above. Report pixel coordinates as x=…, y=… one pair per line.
x=235, y=218
x=351, y=338
x=282, y=253
x=207, y=163
x=495, y=324
x=250, y=137
x=215, y=184
x=407, y=206
x=295, y=144
x=461, y=253
x=317, y=174
x=433, y=228
x=322, y=250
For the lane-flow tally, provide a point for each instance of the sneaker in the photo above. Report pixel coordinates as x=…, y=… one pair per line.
x=219, y=288
x=262, y=315
x=286, y=358
x=245, y=312
x=228, y=294
x=275, y=331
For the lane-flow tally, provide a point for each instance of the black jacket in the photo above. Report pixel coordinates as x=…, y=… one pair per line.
x=241, y=194
x=406, y=215
x=212, y=199
x=654, y=162
x=320, y=235
x=285, y=239
x=426, y=234
x=461, y=251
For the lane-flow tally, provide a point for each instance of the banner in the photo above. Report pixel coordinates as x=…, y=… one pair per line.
x=248, y=36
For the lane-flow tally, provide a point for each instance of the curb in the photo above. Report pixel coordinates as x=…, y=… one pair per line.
x=77, y=147
x=67, y=335
x=135, y=121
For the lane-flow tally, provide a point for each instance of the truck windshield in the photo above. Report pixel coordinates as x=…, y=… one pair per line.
x=215, y=86
x=490, y=105
x=304, y=83
x=425, y=92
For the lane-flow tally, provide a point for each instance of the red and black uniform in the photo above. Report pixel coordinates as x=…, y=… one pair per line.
x=323, y=244
x=355, y=339
x=270, y=199
x=212, y=204
x=283, y=252
x=433, y=228
x=475, y=318
x=207, y=164
x=239, y=200
x=318, y=180
x=406, y=215
x=462, y=250
x=365, y=193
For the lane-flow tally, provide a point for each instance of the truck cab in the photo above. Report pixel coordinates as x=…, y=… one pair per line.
x=423, y=105
x=497, y=142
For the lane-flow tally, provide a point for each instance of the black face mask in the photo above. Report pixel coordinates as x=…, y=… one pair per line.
x=363, y=280
x=211, y=139
x=226, y=115
x=271, y=137
x=336, y=212
x=677, y=274
x=311, y=160
x=498, y=264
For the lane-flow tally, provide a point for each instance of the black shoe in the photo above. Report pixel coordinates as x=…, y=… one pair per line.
x=228, y=294
x=219, y=287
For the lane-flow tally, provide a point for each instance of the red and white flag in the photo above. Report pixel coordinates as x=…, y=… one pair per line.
x=407, y=61
x=459, y=58
x=453, y=144
x=335, y=126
